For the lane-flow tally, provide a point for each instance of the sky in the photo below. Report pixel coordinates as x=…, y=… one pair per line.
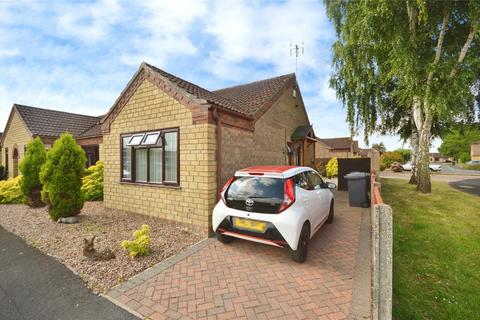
x=79, y=56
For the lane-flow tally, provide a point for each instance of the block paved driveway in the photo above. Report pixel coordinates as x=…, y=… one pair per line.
x=245, y=280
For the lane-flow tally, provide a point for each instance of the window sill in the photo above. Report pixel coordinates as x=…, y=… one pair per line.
x=151, y=185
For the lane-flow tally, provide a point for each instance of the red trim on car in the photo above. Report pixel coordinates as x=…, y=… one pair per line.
x=267, y=169
x=252, y=238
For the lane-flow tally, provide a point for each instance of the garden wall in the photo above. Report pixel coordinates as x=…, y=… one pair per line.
x=382, y=251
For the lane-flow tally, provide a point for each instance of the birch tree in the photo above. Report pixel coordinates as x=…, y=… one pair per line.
x=414, y=60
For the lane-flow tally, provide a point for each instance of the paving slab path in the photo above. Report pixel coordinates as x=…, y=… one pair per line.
x=36, y=286
x=246, y=280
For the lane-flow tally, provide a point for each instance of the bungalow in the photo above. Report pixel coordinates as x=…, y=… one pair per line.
x=170, y=145
x=25, y=123
x=343, y=147
x=475, y=150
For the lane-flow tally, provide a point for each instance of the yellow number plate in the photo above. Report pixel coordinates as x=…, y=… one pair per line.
x=248, y=224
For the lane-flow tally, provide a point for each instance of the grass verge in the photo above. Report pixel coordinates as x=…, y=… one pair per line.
x=436, y=252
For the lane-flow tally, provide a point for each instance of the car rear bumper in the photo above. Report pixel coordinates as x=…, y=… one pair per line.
x=271, y=236
x=282, y=229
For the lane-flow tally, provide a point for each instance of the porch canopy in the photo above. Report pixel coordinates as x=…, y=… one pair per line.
x=303, y=138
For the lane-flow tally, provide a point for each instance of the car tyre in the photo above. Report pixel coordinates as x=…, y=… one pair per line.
x=300, y=255
x=223, y=238
x=331, y=213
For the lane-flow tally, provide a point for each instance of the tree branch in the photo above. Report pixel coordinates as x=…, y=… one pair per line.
x=438, y=49
x=463, y=53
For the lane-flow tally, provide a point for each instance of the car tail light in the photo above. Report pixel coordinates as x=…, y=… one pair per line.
x=288, y=195
x=225, y=187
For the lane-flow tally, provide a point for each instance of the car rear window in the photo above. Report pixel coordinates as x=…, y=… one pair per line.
x=266, y=194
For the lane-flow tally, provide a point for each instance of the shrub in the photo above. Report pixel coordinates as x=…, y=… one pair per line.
x=388, y=157
x=61, y=176
x=92, y=183
x=30, y=167
x=332, y=168
x=10, y=192
x=2, y=172
x=383, y=167
x=140, y=246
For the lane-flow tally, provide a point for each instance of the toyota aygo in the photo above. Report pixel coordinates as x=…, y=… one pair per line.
x=282, y=206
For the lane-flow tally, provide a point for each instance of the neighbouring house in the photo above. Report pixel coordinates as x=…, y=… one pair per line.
x=1, y=158
x=343, y=147
x=475, y=150
x=170, y=145
x=437, y=157
x=25, y=123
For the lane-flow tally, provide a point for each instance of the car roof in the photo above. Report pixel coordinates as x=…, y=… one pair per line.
x=272, y=171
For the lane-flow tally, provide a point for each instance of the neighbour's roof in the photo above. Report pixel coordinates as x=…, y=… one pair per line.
x=340, y=143
x=246, y=99
x=435, y=154
x=94, y=131
x=363, y=152
x=52, y=123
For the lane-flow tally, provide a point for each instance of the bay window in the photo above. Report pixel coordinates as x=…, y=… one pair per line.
x=150, y=157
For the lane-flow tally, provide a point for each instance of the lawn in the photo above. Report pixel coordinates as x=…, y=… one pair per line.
x=436, y=252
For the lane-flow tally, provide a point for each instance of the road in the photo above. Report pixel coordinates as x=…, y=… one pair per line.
x=469, y=184
x=34, y=286
x=449, y=169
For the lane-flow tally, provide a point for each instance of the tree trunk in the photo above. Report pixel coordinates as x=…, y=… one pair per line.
x=424, y=183
x=423, y=123
x=414, y=157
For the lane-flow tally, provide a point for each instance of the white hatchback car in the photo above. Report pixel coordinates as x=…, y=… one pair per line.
x=283, y=206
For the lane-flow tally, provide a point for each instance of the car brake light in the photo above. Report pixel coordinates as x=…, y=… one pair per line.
x=225, y=187
x=288, y=195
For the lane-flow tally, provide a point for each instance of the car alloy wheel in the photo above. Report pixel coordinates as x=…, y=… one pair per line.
x=300, y=255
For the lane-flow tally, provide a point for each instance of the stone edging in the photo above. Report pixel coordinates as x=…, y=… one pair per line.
x=361, y=291
x=149, y=273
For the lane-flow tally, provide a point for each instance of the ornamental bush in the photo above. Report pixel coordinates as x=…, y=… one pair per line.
x=140, y=246
x=92, y=182
x=389, y=157
x=10, y=192
x=61, y=176
x=332, y=168
x=30, y=167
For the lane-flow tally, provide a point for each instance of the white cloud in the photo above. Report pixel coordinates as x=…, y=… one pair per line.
x=243, y=31
x=164, y=28
x=88, y=22
x=9, y=52
x=78, y=56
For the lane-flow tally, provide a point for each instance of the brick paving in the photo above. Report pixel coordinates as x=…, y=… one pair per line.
x=246, y=280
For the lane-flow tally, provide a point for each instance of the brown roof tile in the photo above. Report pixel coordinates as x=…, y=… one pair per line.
x=340, y=143
x=246, y=99
x=250, y=97
x=52, y=123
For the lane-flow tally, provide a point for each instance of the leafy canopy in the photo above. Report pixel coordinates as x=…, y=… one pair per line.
x=457, y=143
x=385, y=53
x=61, y=177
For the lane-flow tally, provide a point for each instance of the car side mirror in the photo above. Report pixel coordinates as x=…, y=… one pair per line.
x=331, y=185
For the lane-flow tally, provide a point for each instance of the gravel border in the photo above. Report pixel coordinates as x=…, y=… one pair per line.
x=65, y=242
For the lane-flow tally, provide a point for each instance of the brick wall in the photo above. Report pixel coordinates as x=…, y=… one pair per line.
x=192, y=203
x=17, y=135
x=267, y=145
